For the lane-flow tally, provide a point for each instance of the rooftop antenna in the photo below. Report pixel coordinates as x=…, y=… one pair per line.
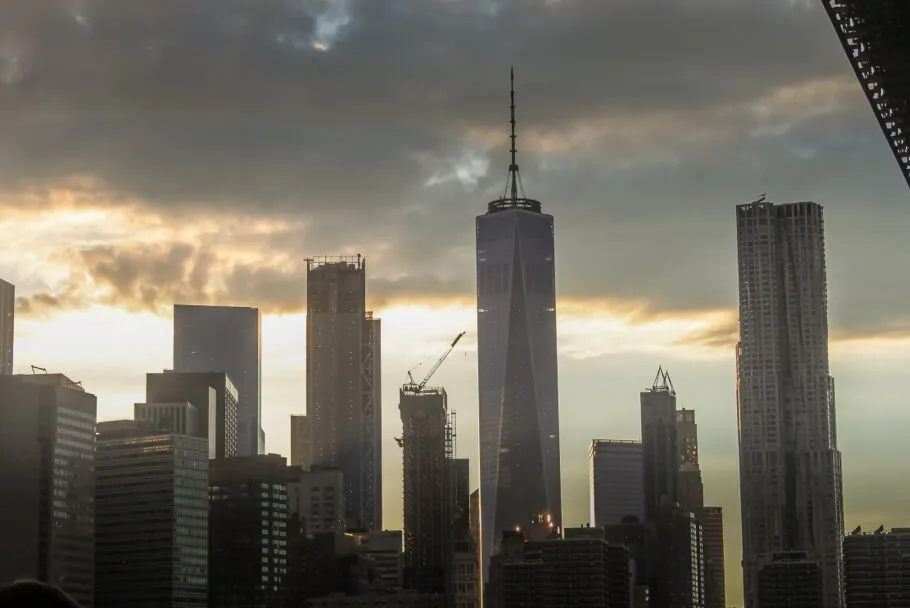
x=513, y=168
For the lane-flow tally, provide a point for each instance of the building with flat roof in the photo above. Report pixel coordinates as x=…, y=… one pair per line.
x=343, y=375
x=712, y=524
x=790, y=580
x=47, y=464
x=151, y=516
x=616, y=481
x=316, y=496
x=877, y=568
x=214, y=396
x=248, y=514
x=226, y=339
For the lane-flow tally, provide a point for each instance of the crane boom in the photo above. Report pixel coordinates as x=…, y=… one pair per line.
x=414, y=387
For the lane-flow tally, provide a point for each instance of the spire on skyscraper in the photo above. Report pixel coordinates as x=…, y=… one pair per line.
x=514, y=195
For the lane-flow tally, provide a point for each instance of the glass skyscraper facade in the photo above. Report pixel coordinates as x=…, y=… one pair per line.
x=151, y=517
x=789, y=464
x=226, y=339
x=516, y=335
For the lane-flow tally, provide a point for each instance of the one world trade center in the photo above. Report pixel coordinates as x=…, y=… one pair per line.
x=516, y=331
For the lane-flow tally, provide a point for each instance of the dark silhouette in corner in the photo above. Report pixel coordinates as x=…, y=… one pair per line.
x=32, y=594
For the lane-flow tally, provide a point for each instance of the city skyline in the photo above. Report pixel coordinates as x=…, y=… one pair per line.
x=644, y=258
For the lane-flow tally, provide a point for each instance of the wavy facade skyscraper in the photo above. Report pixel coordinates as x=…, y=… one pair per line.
x=516, y=334
x=789, y=465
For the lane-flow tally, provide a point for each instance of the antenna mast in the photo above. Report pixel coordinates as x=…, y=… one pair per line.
x=513, y=168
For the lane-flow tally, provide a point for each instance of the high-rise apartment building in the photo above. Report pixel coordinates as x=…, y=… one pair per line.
x=877, y=568
x=659, y=445
x=47, y=468
x=7, y=318
x=226, y=339
x=712, y=524
x=616, y=481
x=343, y=389
x=518, y=388
x=301, y=441
x=151, y=517
x=248, y=513
x=428, y=496
x=316, y=496
x=212, y=394
x=790, y=468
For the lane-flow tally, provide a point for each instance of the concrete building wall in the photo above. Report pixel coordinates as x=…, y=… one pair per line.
x=317, y=496
x=7, y=323
x=301, y=441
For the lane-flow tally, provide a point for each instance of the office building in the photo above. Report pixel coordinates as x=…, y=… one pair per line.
x=690, y=493
x=47, y=464
x=379, y=599
x=635, y=536
x=877, y=568
x=580, y=570
x=181, y=418
x=211, y=393
x=790, y=580
x=384, y=549
x=301, y=441
x=712, y=524
x=151, y=517
x=428, y=494
x=248, y=512
x=790, y=468
x=659, y=446
x=516, y=349
x=676, y=562
x=465, y=587
x=616, y=481
x=316, y=495
x=7, y=318
x=343, y=391
x=874, y=37
x=226, y=339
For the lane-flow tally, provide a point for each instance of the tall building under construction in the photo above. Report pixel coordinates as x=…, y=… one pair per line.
x=875, y=35
x=343, y=383
x=516, y=350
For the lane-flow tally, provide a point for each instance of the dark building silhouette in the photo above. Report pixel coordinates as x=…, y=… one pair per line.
x=634, y=535
x=301, y=441
x=791, y=490
x=343, y=371
x=659, y=446
x=790, y=580
x=151, y=517
x=518, y=387
x=7, y=319
x=712, y=524
x=47, y=464
x=428, y=497
x=211, y=393
x=690, y=492
x=675, y=559
x=877, y=568
x=226, y=339
x=616, y=483
x=581, y=570
x=248, y=537
x=874, y=36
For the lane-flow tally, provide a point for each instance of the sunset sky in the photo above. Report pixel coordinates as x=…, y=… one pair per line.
x=195, y=151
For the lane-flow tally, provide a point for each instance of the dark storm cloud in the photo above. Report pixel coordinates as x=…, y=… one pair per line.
x=227, y=108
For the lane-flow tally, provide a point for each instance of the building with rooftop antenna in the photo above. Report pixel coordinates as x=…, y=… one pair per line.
x=516, y=335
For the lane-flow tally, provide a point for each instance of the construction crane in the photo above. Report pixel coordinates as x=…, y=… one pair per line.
x=414, y=387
